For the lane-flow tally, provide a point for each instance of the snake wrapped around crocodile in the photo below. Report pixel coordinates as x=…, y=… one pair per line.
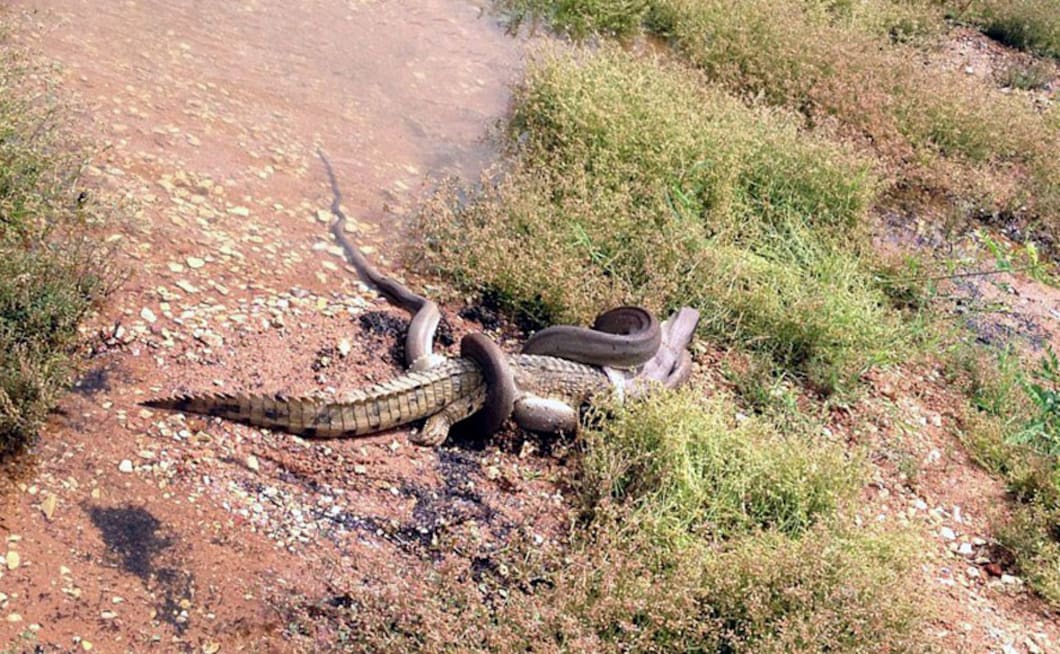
x=560, y=368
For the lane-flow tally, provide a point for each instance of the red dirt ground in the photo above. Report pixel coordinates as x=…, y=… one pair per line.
x=142, y=531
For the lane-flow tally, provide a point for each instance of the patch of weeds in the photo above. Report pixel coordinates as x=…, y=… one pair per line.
x=1042, y=430
x=579, y=18
x=630, y=182
x=1032, y=25
x=1026, y=77
x=53, y=271
x=1031, y=536
x=1007, y=432
x=695, y=469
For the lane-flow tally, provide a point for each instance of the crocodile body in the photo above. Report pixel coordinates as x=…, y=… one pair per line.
x=445, y=393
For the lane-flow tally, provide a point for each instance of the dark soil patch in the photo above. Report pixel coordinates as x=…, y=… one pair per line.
x=132, y=535
x=394, y=328
x=93, y=381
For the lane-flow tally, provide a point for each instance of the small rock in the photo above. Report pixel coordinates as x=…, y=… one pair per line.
x=13, y=559
x=47, y=507
x=195, y=262
x=148, y=315
x=125, y=466
x=947, y=534
x=14, y=617
x=252, y=463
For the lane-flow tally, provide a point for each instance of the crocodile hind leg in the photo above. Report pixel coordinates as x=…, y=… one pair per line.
x=436, y=429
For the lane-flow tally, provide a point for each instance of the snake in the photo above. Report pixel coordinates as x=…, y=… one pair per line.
x=623, y=337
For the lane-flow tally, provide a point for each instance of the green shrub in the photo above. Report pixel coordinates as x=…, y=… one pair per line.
x=690, y=468
x=52, y=272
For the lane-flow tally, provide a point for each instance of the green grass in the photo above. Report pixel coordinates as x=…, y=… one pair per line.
x=632, y=182
x=852, y=70
x=696, y=471
x=52, y=271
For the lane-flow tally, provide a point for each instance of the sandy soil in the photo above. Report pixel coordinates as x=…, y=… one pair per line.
x=142, y=531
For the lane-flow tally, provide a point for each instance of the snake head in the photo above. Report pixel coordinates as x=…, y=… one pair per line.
x=670, y=366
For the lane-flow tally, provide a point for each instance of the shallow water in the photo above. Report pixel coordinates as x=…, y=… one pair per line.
x=393, y=90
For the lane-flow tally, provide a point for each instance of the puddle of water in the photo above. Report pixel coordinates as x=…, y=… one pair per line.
x=392, y=90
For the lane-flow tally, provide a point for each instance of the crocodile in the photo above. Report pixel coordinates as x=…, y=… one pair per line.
x=548, y=391
x=559, y=370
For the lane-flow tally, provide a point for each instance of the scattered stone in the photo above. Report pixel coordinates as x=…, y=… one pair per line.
x=148, y=315
x=13, y=559
x=947, y=534
x=252, y=463
x=125, y=466
x=47, y=507
x=195, y=263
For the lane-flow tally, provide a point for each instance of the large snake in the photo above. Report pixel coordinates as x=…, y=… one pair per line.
x=620, y=338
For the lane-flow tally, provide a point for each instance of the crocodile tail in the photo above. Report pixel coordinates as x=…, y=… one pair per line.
x=303, y=416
